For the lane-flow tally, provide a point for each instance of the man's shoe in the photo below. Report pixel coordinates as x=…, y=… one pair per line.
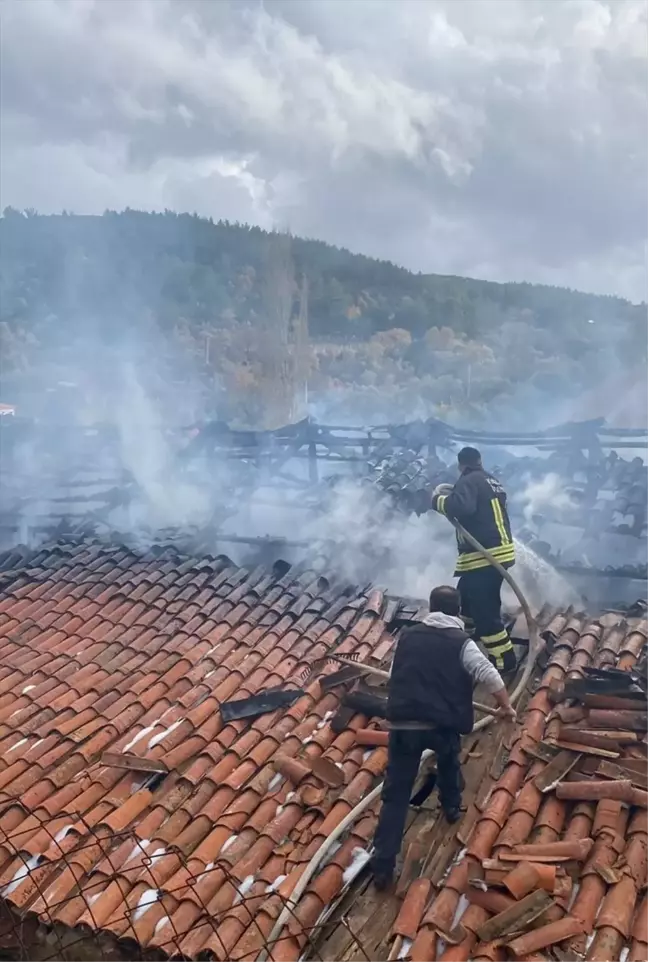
x=383, y=883
x=452, y=815
x=383, y=875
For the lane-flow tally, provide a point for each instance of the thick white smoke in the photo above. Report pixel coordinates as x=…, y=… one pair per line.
x=539, y=494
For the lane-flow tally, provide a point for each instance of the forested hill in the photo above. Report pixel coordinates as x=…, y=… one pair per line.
x=373, y=326
x=186, y=266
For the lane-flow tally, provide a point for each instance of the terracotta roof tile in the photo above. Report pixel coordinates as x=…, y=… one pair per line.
x=133, y=654
x=597, y=912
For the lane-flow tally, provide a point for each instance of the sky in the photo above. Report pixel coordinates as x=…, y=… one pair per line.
x=503, y=139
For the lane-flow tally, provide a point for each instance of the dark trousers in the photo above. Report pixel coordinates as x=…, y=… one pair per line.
x=481, y=606
x=404, y=759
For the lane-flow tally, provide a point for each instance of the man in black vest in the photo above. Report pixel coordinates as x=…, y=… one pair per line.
x=434, y=671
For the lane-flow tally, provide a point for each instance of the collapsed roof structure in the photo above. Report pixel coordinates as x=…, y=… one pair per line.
x=578, y=492
x=179, y=739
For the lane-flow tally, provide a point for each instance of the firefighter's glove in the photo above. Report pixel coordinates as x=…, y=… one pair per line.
x=444, y=489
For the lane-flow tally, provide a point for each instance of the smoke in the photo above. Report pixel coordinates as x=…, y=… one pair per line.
x=349, y=527
x=542, y=493
x=409, y=555
x=111, y=417
x=621, y=398
x=165, y=500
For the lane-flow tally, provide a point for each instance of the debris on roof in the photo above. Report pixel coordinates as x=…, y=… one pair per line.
x=556, y=859
x=134, y=818
x=593, y=522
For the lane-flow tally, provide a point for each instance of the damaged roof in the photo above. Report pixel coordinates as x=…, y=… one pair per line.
x=590, y=511
x=74, y=479
x=134, y=819
x=128, y=807
x=550, y=860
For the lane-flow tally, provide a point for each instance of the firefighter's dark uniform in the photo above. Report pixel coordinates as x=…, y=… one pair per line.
x=478, y=502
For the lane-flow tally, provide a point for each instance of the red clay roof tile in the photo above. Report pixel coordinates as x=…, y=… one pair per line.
x=553, y=821
x=165, y=634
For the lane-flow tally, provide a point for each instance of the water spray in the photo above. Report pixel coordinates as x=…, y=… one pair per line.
x=535, y=641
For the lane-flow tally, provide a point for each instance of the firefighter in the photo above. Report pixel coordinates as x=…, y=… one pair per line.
x=478, y=502
x=435, y=669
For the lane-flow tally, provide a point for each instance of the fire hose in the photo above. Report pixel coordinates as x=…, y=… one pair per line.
x=535, y=647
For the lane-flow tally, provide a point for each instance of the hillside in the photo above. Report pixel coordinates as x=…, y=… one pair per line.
x=192, y=290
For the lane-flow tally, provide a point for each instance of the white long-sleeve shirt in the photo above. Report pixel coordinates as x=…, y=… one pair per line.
x=474, y=661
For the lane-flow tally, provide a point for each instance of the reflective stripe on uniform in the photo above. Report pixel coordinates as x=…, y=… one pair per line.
x=497, y=660
x=496, y=645
x=440, y=505
x=472, y=560
x=499, y=520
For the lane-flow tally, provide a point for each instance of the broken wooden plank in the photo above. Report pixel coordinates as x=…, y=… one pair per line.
x=467, y=825
x=558, y=767
x=134, y=763
x=341, y=677
x=637, y=765
x=541, y=750
x=438, y=859
x=613, y=702
x=542, y=859
x=597, y=738
x=517, y=918
x=396, y=949
x=412, y=867
x=578, y=689
x=619, y=771
x=583, y=749
x=577, y=775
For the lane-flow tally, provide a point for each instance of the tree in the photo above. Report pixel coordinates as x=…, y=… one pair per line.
x=258, y=317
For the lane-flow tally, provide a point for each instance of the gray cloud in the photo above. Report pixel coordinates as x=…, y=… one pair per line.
x=497, y=138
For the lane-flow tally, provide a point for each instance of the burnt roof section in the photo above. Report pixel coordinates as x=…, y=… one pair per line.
x=564, y=798
x=133, y=818
x=598, y=523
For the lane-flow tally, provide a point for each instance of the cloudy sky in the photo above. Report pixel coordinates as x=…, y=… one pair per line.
x=504, y=139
